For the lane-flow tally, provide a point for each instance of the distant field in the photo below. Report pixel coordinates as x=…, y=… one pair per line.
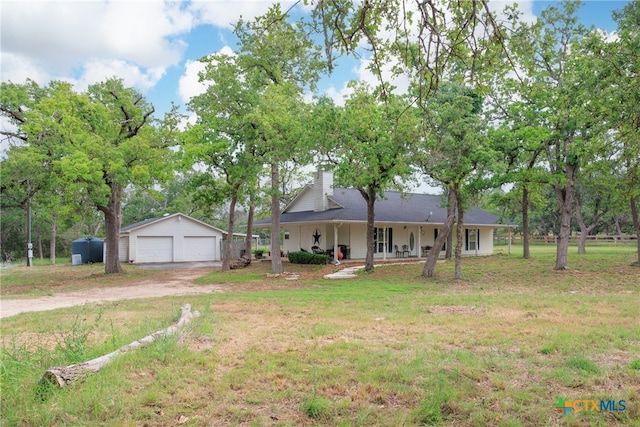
x=502, y=347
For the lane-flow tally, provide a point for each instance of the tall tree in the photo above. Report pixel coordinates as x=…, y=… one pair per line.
x=98, y=143
x=118, y=146
x=550, y=66
x=519, y=137
x=624, y=115
x=454, y=152
x=368, y=146
x=279, y=60
x=222, y=139
x=24, y=170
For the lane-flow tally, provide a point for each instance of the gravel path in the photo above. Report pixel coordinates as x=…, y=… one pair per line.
x=181, y=286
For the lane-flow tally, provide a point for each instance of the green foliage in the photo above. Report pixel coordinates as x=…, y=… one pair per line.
x=316, y=407
x=583, y=364
x=73, y=345
x=307, y=258
x=83, y=149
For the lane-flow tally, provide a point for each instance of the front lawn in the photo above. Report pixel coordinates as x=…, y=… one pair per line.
x=501, y=347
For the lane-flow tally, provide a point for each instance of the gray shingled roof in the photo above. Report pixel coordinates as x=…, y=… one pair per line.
x=395, y=207
x=140, y=223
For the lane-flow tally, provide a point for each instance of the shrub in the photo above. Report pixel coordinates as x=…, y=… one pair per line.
x=307, y=258
x=258, y=253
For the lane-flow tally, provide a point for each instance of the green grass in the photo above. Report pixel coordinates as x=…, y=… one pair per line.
x=387, y=348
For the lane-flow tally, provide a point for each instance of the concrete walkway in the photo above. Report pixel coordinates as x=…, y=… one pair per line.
x=350, y=272
x=345, y=273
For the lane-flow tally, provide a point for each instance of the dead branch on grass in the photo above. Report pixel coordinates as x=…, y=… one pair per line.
x=66, y=375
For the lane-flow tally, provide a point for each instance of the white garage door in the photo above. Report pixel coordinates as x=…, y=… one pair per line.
x=155, y=249
x=199, y=248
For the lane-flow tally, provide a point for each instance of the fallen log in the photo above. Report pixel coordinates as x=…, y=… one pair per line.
x=66, y=375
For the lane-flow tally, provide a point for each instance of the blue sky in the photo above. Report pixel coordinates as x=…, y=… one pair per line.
x=154, y=45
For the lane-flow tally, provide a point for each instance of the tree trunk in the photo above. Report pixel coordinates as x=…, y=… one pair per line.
x=371, y=218
x=39, y=239
x=276, y=260
x=526, y=253
x=66, y=375
x=619, y=229
x=432, y=258
x=635, y=215
x=564, y=194
x=52, y=244
x=228, y=243
x=459, y=235
x=248, y=243
x=29, y=259
x=113, y=217
x=585, y=229
x=451, y=211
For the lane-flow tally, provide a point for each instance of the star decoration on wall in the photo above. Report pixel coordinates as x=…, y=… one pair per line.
x=316, y=237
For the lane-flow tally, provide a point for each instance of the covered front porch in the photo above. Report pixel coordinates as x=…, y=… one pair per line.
x=391, y=240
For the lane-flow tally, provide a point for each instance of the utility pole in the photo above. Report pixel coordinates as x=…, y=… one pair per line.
x=29, y=244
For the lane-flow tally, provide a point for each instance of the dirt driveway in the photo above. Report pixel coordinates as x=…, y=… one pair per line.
x=176, y=283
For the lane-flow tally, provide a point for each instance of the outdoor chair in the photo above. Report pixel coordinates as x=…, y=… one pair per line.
x=405, y=250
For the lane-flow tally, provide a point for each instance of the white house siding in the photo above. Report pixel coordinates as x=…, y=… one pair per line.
x=485, y=238
x=304, y=202
x=322, y=186
x=358, y=241
x=123, y=249
x=486, y=241
x=173, y=239
x=301, y=237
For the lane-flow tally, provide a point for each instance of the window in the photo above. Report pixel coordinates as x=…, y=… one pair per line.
x=472, y=239
x=379, y=240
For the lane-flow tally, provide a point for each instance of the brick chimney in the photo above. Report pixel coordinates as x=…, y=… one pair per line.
x=322, y=187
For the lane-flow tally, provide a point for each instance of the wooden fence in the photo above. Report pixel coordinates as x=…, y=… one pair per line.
x=552, y=240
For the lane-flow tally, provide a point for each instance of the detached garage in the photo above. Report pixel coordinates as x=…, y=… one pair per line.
x=171, y=238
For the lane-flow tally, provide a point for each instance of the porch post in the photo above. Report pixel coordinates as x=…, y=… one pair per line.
x=335, y=243
x=419, y=242
x=384, y=243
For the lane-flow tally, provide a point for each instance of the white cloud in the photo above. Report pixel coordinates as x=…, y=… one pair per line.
x=133, y=76
x=226, y=13
x=189, y=84
x=87, y=40
x=17, y=68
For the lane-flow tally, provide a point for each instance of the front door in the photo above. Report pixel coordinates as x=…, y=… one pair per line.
x=412, y=243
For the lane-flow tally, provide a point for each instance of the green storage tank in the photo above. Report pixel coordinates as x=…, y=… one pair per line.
x=91, y=249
